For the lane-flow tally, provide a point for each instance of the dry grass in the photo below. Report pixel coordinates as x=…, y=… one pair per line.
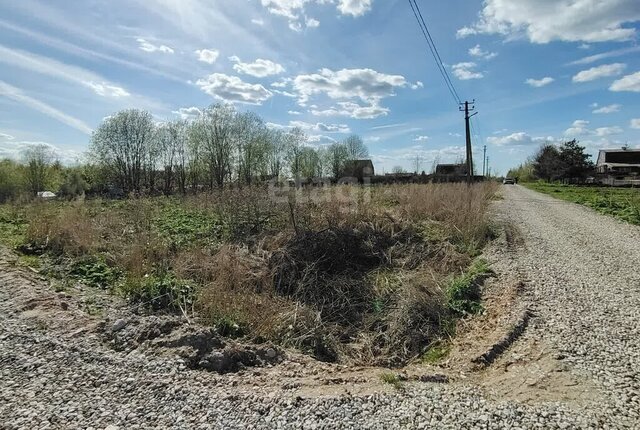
x=359, y=278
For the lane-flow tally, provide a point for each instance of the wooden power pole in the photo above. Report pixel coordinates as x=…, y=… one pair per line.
x=468, y=107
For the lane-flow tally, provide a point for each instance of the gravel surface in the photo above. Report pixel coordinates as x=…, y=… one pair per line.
x=582, y=284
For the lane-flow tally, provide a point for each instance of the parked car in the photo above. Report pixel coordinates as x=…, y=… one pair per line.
x=508, y=181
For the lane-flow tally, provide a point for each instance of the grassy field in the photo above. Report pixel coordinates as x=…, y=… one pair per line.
x=372, y=277
x=622, y=203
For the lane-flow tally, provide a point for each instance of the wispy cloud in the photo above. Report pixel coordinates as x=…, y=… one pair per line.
x=147, y=46
x=604, y=55
x=90, y=54
x=54, y=68
x=17, y=95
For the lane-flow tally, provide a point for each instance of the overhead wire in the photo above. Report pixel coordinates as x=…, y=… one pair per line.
x=434, y=50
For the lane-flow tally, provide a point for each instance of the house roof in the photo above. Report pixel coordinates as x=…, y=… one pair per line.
x=619, y=157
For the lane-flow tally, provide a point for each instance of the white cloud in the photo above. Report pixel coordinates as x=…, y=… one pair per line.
x=318, y=127
x=188, y=113
x=417, y=85
x=294, y=112
x=581, y=128
x=537, y=83
x=465, y=32
x=627, y=83
x=607, y=131
x=259, y=68
x=565, y=20
x=320, y=139
x=635, y=123
x=354, y=7
x=5, y=136
x=312, y=23
x=56, y=69
x=282, y=83
x=598, y=72
x=257, y=21
x=207, y=55
x=578, y=128
x=476, y=51
x=107, y=90
x=17, y=95
x=366, y=85
x=421, y=138
x=321, y=127
x=464, y=71
x=294, y=10
x=233, y=89
x=150, y=47
x=353, y=110
x=608, y=109
x=518, y=139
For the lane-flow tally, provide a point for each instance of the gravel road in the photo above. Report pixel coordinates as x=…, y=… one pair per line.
x=582, y=283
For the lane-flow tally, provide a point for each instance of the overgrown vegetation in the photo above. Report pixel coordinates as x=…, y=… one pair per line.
x=352, y=275
x=622, y=203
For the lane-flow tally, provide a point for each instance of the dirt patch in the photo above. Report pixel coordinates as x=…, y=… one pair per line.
x=530, y=372
x=199, y=347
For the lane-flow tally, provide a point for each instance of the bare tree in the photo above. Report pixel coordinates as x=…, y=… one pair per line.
x=356, y=149
x=38, y=160
x=172, y=141
x=250, y=136
x=123, y=145
x=275, y=152
x=212, y=133
x=294, y=144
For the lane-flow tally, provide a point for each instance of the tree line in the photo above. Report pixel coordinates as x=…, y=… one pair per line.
x=567, y=161
x=219, y=147
x=132, y=153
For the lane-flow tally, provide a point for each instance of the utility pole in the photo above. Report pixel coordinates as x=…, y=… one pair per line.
x=466, y=109
x=484, y=161
x=418, y=162
x=488, y=168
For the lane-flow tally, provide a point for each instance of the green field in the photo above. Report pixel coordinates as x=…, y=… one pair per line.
x=622, y=203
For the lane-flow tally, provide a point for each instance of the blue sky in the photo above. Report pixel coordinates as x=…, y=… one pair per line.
x=539, y=70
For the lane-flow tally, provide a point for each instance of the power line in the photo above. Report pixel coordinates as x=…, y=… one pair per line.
x=434, y=50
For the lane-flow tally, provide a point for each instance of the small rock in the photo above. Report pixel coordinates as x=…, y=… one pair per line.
x=118, y=325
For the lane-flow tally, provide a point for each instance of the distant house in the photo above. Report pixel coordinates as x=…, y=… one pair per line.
x=359, y=169
x=450, y=173
x=618, y=167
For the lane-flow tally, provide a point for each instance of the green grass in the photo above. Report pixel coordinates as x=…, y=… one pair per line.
x=463, y=292
x=185, y=227
x=13, y=225
x=622, y=203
